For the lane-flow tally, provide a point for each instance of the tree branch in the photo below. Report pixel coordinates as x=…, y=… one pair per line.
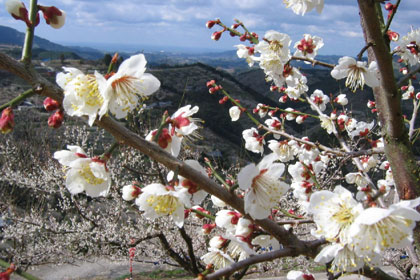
x=191, y=254
x=285, y=252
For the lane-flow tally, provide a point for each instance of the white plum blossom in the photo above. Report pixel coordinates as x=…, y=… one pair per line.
x=357, y=73
x=327, y=124
x=408, y=94
x=217, y=201
x=158, y=200
x=308, y=46
x=218, y=258
x=290, y=116
x=285, y=150
x=343, y=258
x=362, y=129
x=300, y=87
x=130, y=192
x=266, y=242
x=234, y=113
x=245, y=52
x=217, y=242
x=83, y=94
x=238, y=249
x=277, y=43
x=168, y=142
x=253, y=141
x=262, y=186
x=357, y=178
x=123, y=89
x=244, y=228
x=261, y=110
x=334, y=213
x=274, y=124
x=320, y=99
x=341, y=99
x=197, y=194
x=301, y=7
x=227, y=219
x=377, y=229
x=409, y=46
x=84, y=174
x=182, y=123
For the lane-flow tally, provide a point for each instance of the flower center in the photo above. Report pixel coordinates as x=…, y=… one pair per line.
x=163, y=204
x=88, y=90
x=88, y=176
x=275, y=46
x=344, y=217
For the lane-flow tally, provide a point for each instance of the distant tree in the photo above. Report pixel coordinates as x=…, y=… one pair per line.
x=107, y=59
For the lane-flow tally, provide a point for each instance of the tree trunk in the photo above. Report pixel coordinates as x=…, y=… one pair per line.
x=398, y=148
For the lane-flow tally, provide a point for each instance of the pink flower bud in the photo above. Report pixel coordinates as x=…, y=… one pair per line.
x=210, y=23
x=7, y=120
x=56, y=119
x=51, y=104
x=53, y=16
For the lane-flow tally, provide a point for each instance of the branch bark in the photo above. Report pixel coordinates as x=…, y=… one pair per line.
x=398, y=148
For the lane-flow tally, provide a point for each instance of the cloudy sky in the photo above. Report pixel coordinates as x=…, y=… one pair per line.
x=177, y=23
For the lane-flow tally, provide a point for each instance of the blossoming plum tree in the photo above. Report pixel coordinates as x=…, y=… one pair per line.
x=351, y=229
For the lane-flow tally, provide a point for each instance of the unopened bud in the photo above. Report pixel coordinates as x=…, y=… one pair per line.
x=115, y=58
x=242, y=38
x=7, y=121
x=51, y=104
x=53, y=16
x=211, y=83
x=210, y=23
x=18, y=11
x=56, y=119
x=216, y=35
x=389, y=6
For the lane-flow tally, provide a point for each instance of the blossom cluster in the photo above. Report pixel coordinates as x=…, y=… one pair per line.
x=93, y=95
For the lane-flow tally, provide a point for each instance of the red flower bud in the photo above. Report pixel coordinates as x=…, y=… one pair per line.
x=7, y=121
x=216, y=35
x=210, y=23
x=56, y=119
x=51, y=104
x=389, y=6
x=53, y=16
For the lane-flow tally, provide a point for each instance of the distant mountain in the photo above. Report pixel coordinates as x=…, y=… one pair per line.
x=12, y=37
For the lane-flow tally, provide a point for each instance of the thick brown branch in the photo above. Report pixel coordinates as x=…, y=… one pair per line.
x=398, y=148
x=285, y=252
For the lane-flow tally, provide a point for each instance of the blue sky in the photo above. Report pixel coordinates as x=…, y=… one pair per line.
x=182, y=22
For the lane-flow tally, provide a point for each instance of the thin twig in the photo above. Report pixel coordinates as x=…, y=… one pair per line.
x=191, y=254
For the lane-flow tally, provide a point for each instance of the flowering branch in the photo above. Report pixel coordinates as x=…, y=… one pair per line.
x=313, y=61
x=391, y=17
x=127, y=137
x=285, y=252
x=404, y=79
